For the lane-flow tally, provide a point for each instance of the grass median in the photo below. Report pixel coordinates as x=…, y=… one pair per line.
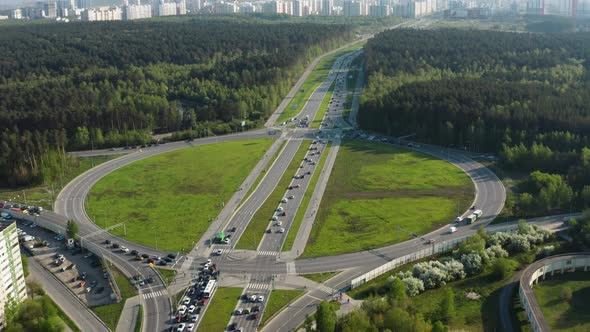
x=167, y=275
x=263, y=173
x=167, y=201
x=320, y=277
x=220, y=309
x=279, y=299
x=319, y=115
x=259, y=222
x=378, y=194
x=294, y=229
x=315, y=78
x=110, y=313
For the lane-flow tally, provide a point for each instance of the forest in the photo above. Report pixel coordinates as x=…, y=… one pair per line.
x=92, y=85
x=522, y=96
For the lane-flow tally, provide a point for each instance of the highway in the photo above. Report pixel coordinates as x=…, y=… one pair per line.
x=266, y=263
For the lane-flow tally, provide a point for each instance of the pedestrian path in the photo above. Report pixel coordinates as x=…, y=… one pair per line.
x=327, y=289
x=152, y=295
x=268, y=253
x=257, y=286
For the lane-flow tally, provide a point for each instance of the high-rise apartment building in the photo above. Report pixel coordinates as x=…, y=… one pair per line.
x=12, y=285
x=327, y=7
x=351, y=8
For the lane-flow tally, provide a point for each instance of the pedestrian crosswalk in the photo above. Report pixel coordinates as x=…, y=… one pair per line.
x=327, y=289
x=224, y=250
x=257, y=286
x=268, y=253
x=152, y=295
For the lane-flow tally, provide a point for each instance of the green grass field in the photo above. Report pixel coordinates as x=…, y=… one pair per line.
x=259, y=222
x=315, y=78
x=110, y=313
x=220, y=309
x=564, y=314
x=139, y=320
x=279, y=299
x=375, y=189
x=168, y=200
x=44, y=195
x=319, y=115
x=292, y=233
x=320, y=277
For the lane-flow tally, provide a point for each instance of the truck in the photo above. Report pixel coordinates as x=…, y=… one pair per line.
x=470, y=218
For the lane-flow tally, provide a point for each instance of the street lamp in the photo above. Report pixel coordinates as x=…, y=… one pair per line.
x=155, y=236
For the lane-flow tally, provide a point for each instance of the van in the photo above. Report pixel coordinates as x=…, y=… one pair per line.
x=452, y=230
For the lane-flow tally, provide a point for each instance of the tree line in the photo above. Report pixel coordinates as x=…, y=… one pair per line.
x=522, y=96
x=78, y=86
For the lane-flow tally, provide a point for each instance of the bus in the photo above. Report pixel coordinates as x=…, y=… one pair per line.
x=478, y=213
x=210, y=289
x=470, y=219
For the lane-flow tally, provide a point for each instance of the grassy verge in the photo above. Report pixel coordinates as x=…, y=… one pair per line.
x=278, y=299
x=353, y=76
x=263, y=173
x=168, y=200
x=564, y=301
x=44, y=195
x=139, y=320
x=220, y=309
x=110, y=313
x=378, y=194
x=167, y=275
x=257, y=226
x=520, y=321
x=319, y=115
x=294, y=229
x=320, y=277
x=64, y=317
x=315, y=78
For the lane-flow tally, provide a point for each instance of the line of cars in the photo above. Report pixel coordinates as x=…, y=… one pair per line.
x=156, y=260
x=25, y=209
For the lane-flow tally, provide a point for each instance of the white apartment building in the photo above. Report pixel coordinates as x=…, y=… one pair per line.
x=12, y=285
x=17, y=14
x=247, y=7
x=352, y=8
x=135, y=12
x=102, y=14
x=327, y=7
x=225, y=8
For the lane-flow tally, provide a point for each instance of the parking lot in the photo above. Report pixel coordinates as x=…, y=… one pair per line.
x=80, y=271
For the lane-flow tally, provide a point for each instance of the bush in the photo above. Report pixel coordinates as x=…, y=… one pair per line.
x=496, y=251
x=502, y=268
x=565, y=294
x=415, y=286
x=472, y=262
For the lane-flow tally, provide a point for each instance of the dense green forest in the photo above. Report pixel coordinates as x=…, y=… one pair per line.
x=85, y=85
x=524, y=96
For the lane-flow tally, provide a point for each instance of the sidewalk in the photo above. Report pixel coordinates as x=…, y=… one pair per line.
x=129, y=314
x=316, y=198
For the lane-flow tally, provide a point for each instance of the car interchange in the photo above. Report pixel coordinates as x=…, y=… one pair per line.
x=192, y=307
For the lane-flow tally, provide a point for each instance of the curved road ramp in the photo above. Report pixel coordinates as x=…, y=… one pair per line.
x=539, y=270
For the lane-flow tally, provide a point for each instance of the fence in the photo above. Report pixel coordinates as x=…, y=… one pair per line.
x=426, y=252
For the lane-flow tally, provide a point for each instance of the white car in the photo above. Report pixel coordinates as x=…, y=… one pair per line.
x=253, y=298
x=239, y=311
x=218, y=252
x=124, y=249
x=181, y=327
x=284, y=200
x=208, y=261
x=458, y=219
x=261, y=298
x=279, y=223
x=194, y=318
x=190, y=327
x=275, y=218
x=292, y=196
x=182, y=310
x=186, y=301
x=192, y=309
x=282, y=230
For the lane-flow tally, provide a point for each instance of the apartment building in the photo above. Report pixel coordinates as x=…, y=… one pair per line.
x=12, y=285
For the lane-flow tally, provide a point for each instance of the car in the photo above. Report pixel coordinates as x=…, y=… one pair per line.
x=269, y=231
x=208, y=261
x=145, y=256
x=297, y=186
x=252, y=298
x=192, y=309
x=226, y=240
x=162, y=263
x=190, y=327
x=255, y=308
x=115, y=245
x=261, y=298
x=182, y=310
x=194, y=318
x=246, y=311
x=134, y=252
x=186, y=301
x=275, y=218
x=181, y=327
x=431, y=241
x=308, y=172
x=239, y=311
x=233, y=229
x=241, y=329
x=231, y=327
x=284, y=200
x=254, y=316
x=171, y=255
x=283, y=214
x=279, y=223
x=206, y=266
x=107, y=242
x=458, y=219
x=291, y=197
x=124, y=249
x=218, y=252
x=168, y=259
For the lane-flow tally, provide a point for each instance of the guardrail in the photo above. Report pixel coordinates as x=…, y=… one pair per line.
x=540, y=269
x=426, y=252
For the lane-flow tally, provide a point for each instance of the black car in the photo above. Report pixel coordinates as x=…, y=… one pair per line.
x=233, y=229
x=162, y=263
x=134, y=253
x=173, y=256
x=116, y=245
x=149, y=280
x=231, y=327
x=145, y=256
x=168, y=259
x=107, y=241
